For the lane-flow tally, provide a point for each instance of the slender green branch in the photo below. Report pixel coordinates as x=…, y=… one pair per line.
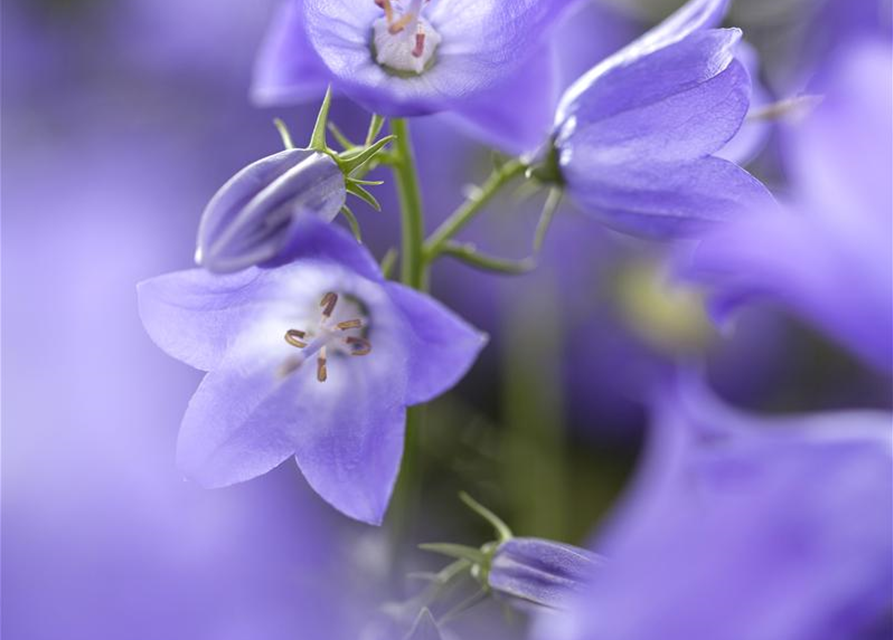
x=412, y=266
x=500, y=177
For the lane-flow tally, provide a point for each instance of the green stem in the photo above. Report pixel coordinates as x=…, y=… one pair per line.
x=500, y=177
x=412, y=266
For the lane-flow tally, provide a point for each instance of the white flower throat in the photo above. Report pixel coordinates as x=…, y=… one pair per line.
x=339, y=330
x=404, y=40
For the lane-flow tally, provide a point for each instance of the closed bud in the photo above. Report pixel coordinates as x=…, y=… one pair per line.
x=540, y=571
x=250, y=219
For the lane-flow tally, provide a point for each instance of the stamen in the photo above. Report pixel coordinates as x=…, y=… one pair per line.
x=360, y=346
x=293, y=337
x=328, y=304
x=388, y=10
x=397, y=27
x=419, y=48
x=321, y=372
x=356, y=323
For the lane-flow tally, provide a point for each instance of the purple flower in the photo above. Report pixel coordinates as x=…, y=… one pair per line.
x=827, y=256
x=251, y=218
x=487, y=61
x=742, y=527
x=636, y=136
x=540, y=571
x=317, y=359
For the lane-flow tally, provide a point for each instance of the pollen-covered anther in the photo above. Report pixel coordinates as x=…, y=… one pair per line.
x=356, y=323
x=321, y=372
x=359, y=346
x=295, y=338
x=328, y=304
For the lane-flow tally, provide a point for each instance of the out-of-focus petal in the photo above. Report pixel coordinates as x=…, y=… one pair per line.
x=288, y=68
x=442, y=346
x=693, y=16
x=670, y=200
x=195, y=315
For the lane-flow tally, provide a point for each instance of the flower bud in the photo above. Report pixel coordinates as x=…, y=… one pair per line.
x=540, y=571
x=249, y=220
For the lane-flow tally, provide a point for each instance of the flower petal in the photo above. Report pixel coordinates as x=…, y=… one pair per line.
x=670, y=200
x=237, y=425
x=288, y=68
x=442, y=346
x=693, y=16
x=494, y=116
x=483, y=42
x=690, y=123
x=195, y=315
x=352, y=428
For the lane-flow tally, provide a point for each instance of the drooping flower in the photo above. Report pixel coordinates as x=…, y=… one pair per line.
x=827, y=255
x=486, y=61
x=635, y=138
x=746, y=527
x=541, y=572
x=250, y=219
x=317, y=359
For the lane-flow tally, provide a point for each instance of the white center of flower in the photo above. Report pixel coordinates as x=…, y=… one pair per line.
x=339, y=330
x=404, y=40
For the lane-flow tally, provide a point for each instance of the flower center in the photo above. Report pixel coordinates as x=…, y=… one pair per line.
x=404, y=41
x=339, y=330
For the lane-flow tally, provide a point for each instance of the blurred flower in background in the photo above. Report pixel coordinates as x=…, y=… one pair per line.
x=120, y=122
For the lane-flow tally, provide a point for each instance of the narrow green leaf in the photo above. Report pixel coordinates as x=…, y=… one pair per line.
x=388, y=262
x=553, y=201
x=375, y=126
x=469, y=254
x=458, y=551
x=352, y=162
x=362, y=194
x=502, y=529
x=340, y=137
x=353, y=222
x=284, y=133
x=318, y=137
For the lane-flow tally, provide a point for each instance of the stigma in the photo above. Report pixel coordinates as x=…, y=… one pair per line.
x=404, y=41
x=339, y=330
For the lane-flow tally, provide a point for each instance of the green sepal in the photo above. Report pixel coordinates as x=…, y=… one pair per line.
x=375, y=126
x=502, y=529
x=553, y=201
x=355, y=189
x=549, y=170
x=388, y=262
x=353, y=159
x=318, y=137
x=284, y=133
x=458, y=551
x=353, y=222
x=342, y=139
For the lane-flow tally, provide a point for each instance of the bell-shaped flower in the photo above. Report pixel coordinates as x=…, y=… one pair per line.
x=635, y=138
x=745, y=527
x=541, y=572
x=252, y=217
x=316, y=359
x=487, y=61
x=826, y=256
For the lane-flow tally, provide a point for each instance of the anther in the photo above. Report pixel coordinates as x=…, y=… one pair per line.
x=359, y=346
x=328, y=304
x=400, y=25
x=356, y=323
x=294, y=338
x=321, y=372
x=419, y=48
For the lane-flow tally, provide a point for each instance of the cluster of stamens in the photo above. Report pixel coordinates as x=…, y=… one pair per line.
x=327, y=334
x=401, y=25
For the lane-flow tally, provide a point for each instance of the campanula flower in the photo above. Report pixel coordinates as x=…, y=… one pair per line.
x=541, y=572
x=746, y=527
x=252, y=217
x=635, y=138
x=827, y=255
x=486, y=61
x=316, y=359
